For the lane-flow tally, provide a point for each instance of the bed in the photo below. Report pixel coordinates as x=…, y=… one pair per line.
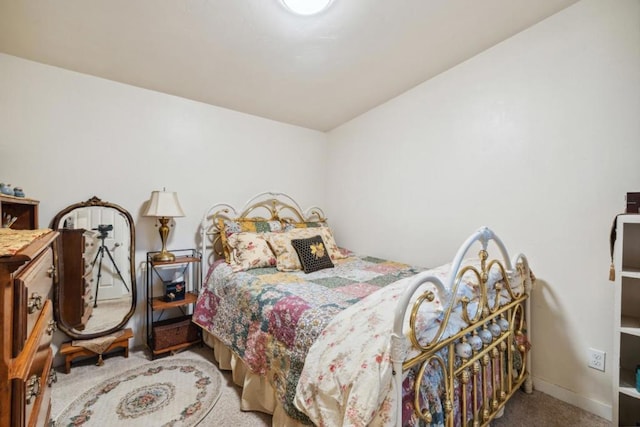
x=316, y=334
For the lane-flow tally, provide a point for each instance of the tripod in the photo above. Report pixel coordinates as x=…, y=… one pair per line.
x=101, y=250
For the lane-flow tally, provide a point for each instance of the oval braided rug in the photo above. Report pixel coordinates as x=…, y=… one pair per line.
x=168, y=392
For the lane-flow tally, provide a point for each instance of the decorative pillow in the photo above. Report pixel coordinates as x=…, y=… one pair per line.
x=286, y=256
x=250, y=250
x=228, y=227
x=333, y=249
x=325, y=232
x=312, y=253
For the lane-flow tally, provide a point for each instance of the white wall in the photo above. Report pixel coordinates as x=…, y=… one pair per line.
x=538, y=138
x=66, y=137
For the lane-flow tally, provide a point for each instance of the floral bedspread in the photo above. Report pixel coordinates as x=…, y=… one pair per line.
x=270, y=319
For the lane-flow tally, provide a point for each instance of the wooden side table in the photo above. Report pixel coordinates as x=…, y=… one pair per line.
x=72, y=352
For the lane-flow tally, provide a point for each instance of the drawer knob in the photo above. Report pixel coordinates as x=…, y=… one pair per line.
x=33, y=388
x=52, y=326
x=53, y=377
x=35, y=303
x=52, y=271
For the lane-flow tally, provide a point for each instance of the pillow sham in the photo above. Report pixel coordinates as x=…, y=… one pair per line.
x=334, y=251
x=250, y=250
x=287, y=257
x=312, y=254
x=228, y=227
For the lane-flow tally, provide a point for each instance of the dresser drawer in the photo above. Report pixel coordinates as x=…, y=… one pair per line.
x=33, y=289
x=32, y=397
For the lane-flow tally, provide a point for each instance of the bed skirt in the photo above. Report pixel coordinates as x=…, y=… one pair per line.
x=257, y=393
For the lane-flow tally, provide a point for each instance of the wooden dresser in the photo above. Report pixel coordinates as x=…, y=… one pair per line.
x=78, y=293
x=26, y=318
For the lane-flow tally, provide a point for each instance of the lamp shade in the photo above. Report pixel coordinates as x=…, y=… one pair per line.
x=164, y=204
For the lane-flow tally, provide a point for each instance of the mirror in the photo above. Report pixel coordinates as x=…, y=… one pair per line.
x=96, y=292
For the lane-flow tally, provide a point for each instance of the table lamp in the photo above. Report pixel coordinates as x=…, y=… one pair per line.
x=164, y=205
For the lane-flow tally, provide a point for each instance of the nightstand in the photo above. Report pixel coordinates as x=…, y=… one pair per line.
x=172, y=290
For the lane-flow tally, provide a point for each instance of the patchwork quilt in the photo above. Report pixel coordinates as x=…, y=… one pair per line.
x=270, y=319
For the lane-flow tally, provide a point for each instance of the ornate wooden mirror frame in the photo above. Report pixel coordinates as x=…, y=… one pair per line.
x=97, y=253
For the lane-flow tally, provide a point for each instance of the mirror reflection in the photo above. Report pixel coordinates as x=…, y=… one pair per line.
x=96, y=290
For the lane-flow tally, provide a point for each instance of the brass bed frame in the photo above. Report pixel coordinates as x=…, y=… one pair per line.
x=495, y=343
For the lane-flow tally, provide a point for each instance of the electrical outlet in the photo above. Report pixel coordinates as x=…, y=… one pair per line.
x=596, y=359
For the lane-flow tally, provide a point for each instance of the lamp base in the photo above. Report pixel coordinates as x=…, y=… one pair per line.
x=164, y=256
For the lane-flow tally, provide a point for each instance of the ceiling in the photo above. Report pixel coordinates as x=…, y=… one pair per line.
x=256, y=57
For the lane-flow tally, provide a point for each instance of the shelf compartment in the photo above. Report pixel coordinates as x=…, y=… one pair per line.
x=629, y=359
x=630, y=248
x=630, y=325
x=629, y=410
x=25, y=212
x=632, y=273
x=158, y=303
x=173, y=334
x=629, y=303
x=628, y=383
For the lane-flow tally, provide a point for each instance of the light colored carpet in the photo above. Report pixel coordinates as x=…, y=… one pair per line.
x=170, y=392
x=84, y=375
x=537, y=409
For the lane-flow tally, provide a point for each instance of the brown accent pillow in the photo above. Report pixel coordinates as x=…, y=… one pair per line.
x=323, y=230
x=312, y=253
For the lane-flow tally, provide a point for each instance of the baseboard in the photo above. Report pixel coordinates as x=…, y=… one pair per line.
x=598, y=408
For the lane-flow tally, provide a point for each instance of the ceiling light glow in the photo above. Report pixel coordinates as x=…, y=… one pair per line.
x=306, y=7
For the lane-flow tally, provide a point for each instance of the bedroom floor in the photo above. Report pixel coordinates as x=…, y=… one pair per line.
x=84, y=375
x=524, y=410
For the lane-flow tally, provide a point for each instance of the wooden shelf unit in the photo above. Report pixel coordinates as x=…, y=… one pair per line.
x=25, y=210
x=626, y=347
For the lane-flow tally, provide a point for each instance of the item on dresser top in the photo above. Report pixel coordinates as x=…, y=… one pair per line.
x=6, y=189
x=18, y=192
x=11, y=241
x=8, y=220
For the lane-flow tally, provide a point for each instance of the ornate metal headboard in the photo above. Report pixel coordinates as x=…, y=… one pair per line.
x=268, y=206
